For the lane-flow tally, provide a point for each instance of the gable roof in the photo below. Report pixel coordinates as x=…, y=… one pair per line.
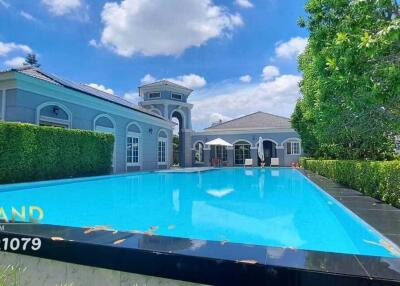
x=42, y=75
x=257, y=120
x=167, y=83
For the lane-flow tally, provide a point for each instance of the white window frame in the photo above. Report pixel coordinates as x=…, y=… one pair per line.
x=66, y=122
x=174, y=93
x=137, y=136
x=165, y=141
x=3, y=105
x=150, y=93
x=241, y=143
x=291, y=148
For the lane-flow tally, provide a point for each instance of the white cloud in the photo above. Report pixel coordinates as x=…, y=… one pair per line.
x=292, y=48
x=192, y=81
x=27, y=16
x=62, y=7
x=5, y=4
x=148, y=78
x=245, y=78
x=94, y=43
x=216, y=117
x=101, y=87
x=6, y=48
x=277, y=96
x=269, y=72
x=244, y=3
x=132, y=96
x=15, y=62
x=154, y=28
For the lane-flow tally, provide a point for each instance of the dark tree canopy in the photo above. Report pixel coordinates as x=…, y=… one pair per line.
x=32, y=60
x=350, y=107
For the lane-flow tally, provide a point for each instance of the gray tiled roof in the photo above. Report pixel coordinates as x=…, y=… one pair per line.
x=39, y=74
x=34, y=73
x=165, y=82
x=258, y=119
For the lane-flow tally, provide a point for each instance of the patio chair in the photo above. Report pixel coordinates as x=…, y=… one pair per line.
x=248, y=162
x=274, y=162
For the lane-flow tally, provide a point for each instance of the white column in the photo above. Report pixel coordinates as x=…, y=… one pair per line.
x=166, y=111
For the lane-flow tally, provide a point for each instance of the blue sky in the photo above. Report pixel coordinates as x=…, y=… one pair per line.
x=218, y=48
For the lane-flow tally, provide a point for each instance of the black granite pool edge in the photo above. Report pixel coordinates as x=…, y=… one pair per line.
x=207, y=262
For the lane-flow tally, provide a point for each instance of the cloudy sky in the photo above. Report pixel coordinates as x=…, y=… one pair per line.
x=238, y=55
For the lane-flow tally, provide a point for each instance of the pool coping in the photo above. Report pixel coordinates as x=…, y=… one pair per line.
x=207, y=262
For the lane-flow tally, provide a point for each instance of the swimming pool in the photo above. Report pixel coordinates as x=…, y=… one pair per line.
x=272, y=207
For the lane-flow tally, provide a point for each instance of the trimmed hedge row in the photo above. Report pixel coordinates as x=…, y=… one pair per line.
x=378, y=179
x=30, y=152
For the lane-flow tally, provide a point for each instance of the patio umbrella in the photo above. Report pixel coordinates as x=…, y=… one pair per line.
x=261, y=149
x=219, y=142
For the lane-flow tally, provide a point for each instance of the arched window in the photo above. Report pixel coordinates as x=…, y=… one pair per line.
x=53, y=114
x=105, y=124
x=242, y=152
x=133, y=146
x=199, y=152
x=162, y=148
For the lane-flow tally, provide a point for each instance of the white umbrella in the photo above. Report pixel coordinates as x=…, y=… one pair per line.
x=261, y=149
x=219, y=142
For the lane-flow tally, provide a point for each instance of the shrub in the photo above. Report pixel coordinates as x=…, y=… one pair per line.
x=379, y=179
x=30, y=152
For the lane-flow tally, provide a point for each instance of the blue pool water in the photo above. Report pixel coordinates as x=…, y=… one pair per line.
x=273, y=207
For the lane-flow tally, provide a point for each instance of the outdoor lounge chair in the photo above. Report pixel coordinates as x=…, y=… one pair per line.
x=274, y=162
x=248, y=162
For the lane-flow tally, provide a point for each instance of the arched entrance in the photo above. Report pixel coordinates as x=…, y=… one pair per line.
x=269, y=147
x=178, y=140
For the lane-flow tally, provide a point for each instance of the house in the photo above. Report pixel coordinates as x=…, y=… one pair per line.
x=143, y=133
x=142, y=138
x=280, y=140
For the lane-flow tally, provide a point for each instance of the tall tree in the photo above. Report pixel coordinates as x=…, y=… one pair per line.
x=351, y=93
x=31, y=60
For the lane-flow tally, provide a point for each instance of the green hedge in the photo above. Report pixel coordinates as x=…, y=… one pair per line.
x=379, y=179
x=30, y=152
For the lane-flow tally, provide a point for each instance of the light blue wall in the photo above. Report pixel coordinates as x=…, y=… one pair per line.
x=278, y=137
x=21, y=106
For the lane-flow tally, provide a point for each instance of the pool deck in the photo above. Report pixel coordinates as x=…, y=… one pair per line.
x=383, y=217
